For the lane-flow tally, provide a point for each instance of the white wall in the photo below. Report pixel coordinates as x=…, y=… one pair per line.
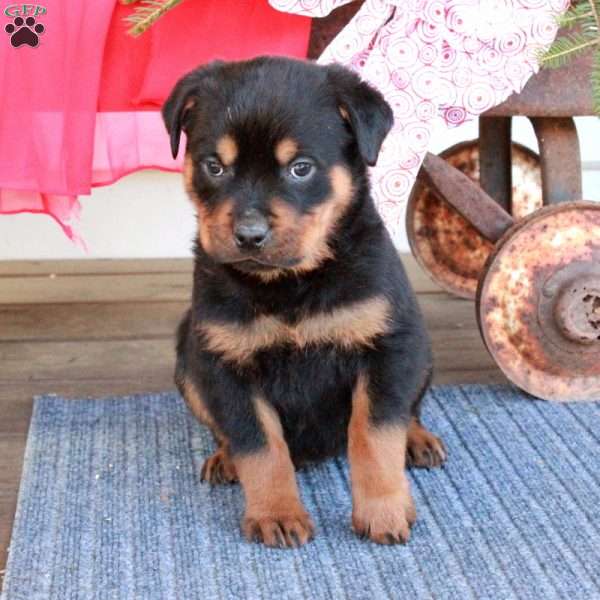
x=148, y=215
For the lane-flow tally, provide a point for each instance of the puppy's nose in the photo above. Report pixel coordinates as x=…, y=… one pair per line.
x=251, y=231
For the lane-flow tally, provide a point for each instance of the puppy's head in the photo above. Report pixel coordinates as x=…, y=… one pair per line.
x=275, y=148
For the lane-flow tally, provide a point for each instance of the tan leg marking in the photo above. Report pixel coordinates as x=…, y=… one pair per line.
x=423, y=449
x=195, y=403
x=383, y=508
x=285, y=150
x=350, y=326
x=274, y=513
x=227, y=150
x=217, y=468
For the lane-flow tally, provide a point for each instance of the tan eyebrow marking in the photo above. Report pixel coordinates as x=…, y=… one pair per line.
x=355, y=324
x=285, y=150
x=227, y=150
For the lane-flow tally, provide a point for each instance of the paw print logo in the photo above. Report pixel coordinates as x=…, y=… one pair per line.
x=24, y=31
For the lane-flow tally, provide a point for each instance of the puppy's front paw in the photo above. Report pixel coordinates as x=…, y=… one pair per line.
x=287, y=530
x=385, y=519
x=218, y=468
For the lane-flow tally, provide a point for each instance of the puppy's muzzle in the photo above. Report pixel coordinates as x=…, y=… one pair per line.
x=251, y=231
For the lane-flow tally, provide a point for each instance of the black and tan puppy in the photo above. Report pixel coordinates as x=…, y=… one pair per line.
x=304, y=337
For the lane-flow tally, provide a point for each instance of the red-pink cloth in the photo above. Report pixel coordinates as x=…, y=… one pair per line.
x=82, y=107
x=47, y=110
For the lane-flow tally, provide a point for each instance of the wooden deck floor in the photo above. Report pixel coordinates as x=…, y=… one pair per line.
x=106, y=327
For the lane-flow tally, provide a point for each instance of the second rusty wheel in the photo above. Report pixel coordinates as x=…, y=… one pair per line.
x=538, y=302
x=444, y=243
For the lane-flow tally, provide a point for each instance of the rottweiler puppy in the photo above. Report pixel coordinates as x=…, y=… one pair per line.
x=304, y=338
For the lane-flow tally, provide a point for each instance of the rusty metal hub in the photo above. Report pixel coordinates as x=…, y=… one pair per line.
x=577, y=308
x=444, y=243
x=538, y=303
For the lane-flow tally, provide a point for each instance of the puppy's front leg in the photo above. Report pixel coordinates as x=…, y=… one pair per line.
x=274, y=512
x=251, y=430
x=383, y=509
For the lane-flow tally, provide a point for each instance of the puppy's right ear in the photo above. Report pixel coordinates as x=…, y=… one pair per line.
x=184, y=96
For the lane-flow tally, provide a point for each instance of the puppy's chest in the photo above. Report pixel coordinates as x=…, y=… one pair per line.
x=348, y=327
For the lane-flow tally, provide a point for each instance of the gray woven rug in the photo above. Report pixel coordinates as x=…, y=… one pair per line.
x=111, y=507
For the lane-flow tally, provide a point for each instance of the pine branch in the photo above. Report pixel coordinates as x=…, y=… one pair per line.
x=146, y=13
x=575, y=15
x=565, y=48
x=595, y=82
x=596, y=11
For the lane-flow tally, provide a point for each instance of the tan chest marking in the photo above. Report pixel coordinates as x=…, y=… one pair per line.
x=351, y=326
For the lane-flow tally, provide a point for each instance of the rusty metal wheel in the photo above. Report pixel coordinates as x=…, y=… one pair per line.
x=538, y=302
x=444, y=243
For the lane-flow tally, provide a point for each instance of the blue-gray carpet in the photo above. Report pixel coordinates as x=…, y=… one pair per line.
x=111, y=507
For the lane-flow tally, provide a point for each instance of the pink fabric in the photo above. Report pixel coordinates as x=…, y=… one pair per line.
x=447, y=60
x=48, y=110
x=82, y=108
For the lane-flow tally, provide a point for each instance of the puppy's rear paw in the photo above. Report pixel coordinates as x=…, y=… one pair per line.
x=279, y=531
x=423, y=448
x=218, y=468
x=385, y=520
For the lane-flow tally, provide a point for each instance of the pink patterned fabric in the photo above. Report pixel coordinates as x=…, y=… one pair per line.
x=448, y=60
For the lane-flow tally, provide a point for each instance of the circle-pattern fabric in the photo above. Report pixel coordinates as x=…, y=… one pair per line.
x=448, y=60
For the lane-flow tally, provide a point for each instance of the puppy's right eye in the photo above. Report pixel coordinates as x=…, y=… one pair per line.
x=214, y=168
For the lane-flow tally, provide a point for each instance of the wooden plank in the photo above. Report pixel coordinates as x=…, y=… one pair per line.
x=26, y=268
x=94, y=321
x=57, y=361
x=123, y=359
x=445, y=312
x=15, y=408
x=112, y=266
x=121, y=285
x=140, y=287
x=116, y=320
x=12, y=449
x=420, y=281
x=465, y=352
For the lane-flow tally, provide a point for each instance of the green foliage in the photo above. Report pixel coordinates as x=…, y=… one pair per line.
x=565, y=48
x=583, y=23
x=595, y=81
x=146, y=12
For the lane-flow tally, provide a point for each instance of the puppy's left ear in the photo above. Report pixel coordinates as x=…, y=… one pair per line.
x=185, y=94
x=369, y=115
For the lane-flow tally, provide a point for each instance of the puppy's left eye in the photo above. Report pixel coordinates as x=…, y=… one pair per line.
x=301, y=169
x=214, y=168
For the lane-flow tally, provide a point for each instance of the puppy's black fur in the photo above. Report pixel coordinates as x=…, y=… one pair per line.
x=276, y=161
